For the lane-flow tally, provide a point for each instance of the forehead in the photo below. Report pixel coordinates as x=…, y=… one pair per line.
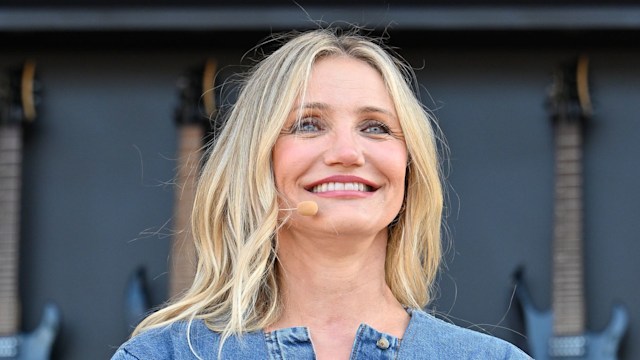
x=343, y=80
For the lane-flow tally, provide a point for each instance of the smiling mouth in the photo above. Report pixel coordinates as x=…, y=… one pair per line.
x=341, y=186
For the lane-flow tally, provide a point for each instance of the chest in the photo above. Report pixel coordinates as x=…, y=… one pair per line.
x=295, y=343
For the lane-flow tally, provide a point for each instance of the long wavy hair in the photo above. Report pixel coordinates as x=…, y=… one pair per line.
x=235, y=215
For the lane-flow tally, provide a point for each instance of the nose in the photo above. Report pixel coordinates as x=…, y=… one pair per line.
x=344, y=149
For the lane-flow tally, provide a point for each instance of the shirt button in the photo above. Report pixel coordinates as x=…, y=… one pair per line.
x=383, y=343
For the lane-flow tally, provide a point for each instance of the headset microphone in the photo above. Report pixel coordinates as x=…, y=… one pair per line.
x=307, y=208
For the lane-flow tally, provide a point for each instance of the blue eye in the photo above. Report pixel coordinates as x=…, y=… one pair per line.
x=375, y=127
x=307, y=125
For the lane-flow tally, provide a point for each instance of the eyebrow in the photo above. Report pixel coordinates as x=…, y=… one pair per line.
x=313, y=105
x=362, y=110
x=374, y=109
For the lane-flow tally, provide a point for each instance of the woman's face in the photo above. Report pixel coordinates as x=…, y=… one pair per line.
x=342, y=147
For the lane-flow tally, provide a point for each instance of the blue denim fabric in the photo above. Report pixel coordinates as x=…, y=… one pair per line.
x=291, y=343
x=425, y=338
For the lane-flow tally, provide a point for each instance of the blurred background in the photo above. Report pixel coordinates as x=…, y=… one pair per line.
x=101, y=157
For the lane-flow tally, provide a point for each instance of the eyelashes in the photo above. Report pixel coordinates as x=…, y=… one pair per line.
x=311, y=126
x=375, y=127
x=307, y=125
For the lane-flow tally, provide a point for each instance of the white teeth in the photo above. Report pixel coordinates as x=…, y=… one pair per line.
x=338, y=186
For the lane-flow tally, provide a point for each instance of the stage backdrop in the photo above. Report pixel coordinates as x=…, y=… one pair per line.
x=100, y=161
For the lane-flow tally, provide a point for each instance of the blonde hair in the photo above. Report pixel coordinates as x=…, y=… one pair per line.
x=235, y=215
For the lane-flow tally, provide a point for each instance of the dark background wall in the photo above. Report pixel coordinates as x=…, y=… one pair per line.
x=100, y=161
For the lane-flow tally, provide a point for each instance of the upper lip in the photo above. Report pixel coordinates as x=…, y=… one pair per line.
x=342, y=179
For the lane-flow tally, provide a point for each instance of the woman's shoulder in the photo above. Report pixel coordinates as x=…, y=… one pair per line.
x=166, y=342
x=426, y=333
x=184, y=339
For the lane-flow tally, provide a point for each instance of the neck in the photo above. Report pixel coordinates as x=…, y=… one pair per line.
x=337, y=283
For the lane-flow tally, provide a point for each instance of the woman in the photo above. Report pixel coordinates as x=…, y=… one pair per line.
x=331, y=119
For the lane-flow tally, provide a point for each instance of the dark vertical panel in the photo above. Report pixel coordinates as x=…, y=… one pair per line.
x=490, y=106
x=98, y=194
x=611, y=187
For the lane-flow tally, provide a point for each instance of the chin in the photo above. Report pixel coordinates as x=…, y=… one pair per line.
x=352, y=226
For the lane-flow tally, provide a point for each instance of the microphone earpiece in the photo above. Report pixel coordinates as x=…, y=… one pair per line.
x=307, y=208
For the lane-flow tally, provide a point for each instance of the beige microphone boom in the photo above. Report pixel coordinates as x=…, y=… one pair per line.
x=307, y=208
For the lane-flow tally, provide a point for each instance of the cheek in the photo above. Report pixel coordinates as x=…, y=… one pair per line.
x=279, y=163
x=395, y=163
x=394, y=160
x=290, y=158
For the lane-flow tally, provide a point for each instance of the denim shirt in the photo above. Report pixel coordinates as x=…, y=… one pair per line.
x=426, y=337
